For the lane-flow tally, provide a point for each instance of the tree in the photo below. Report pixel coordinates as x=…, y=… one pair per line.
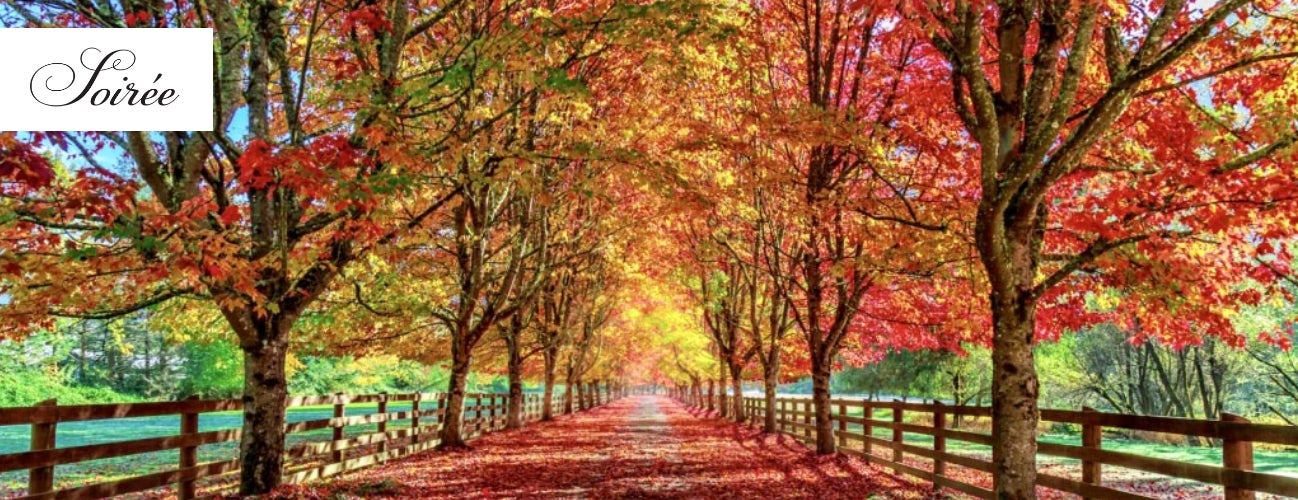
x=332, y=148
x=586, y=343
x=576, y=229
x=566, y=295
x=249, y=224
x=1281, y=370
x=1078, y=192
x=853, y=189
x=724, y=292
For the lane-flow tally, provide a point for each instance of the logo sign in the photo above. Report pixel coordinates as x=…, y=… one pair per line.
x=72, y=79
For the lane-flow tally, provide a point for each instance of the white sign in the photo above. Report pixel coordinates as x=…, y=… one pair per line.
x=74, y=79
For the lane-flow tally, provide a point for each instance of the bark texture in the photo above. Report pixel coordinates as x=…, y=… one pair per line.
x=820, y=400
x=514, y=412
x=737, y=388
x=265, y=394
x=770, y=383
x=452, y=433
x=547, y=406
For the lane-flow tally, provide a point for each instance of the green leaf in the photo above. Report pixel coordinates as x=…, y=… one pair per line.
x=557, y=79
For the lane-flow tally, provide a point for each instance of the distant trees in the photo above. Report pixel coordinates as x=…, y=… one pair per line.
x=943, y=375
x=1280, y=368
x=213, y=370
x=1153, y=379
x=125, y=355
x=132, y=358
x=1101, y=368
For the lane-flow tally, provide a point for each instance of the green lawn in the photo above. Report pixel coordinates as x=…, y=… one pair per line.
x=17, y=438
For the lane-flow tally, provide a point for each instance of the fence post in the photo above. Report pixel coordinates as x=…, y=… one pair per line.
x=939, y=440
x=188, y=454
x=787, y=409
x=867, y=414
x=1237, y=455
x=477, y=414
x=491, y=413
x=383, y=424
x=340, y=409
x=779, y=416
x=806, y=419
x=1091, y=438
x=414, y=418
x=897, y=454
x=842, y=424
x=44, y=426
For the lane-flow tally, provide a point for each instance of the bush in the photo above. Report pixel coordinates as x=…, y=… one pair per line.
x=28, y=387
x=213, y=370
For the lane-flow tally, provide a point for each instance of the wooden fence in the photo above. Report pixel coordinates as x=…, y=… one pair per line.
x=855, y=423
x=483, y=413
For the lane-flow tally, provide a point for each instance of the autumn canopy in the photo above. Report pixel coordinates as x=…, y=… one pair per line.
x=674, y=192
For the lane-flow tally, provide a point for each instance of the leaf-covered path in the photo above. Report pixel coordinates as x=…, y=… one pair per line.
x=637, y=447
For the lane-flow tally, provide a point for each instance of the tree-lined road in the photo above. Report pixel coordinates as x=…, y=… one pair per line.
x=636, y=447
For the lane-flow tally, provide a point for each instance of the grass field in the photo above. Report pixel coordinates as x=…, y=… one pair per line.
x=17, y=438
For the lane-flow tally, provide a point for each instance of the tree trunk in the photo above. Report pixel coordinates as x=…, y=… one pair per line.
x=452, y=434
x=1014, y=401
x=1009, y=243
x=265, y=393
x=712, y=384
x=264, y=341
x=722, y=408
x=820, y=400
x=567, y=395
x=770, y=383
x=547, y=404
x=736, y=383
x=581, y=395
x=81, y=356
x=514, y=414
x=148, y=364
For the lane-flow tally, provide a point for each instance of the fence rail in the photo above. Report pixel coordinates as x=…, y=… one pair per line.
x=854, y=423
x=305, y=461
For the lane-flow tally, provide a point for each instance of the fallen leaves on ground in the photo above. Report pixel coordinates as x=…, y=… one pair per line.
x=639, y=447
